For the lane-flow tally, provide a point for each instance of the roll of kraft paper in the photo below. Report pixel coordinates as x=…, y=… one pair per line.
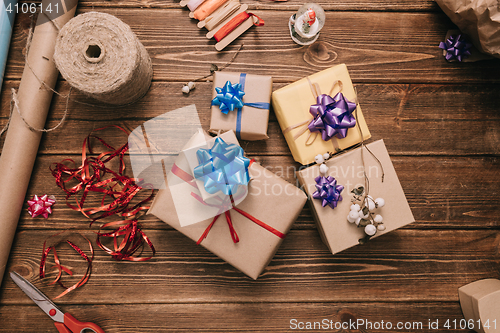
x=100, y=55
x=7, y=15
x=21, y=144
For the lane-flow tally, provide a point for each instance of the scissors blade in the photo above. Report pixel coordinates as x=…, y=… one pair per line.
x=38, y=297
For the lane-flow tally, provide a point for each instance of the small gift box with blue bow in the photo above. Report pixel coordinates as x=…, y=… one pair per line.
x=247, y=213
x=317, y=114
x=241, y=102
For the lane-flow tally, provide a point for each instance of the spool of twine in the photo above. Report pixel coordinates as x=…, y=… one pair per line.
x=100, y=55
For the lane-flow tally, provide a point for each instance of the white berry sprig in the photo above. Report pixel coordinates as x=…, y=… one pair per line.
x=364, y=213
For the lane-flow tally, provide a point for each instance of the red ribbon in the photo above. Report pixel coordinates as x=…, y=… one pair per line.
x=61, y=268
x=234, y=23
x=133, y=240
x=223, y=208
x=91, y=177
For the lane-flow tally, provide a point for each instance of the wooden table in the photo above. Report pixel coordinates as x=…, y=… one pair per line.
x=440, y=122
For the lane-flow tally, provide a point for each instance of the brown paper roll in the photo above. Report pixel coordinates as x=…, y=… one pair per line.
x=21, y=144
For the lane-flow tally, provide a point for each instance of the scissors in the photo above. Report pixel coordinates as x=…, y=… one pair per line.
x=64, y=322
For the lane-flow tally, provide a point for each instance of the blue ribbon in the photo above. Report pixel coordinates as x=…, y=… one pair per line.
x=222, y=168
x=229, y=98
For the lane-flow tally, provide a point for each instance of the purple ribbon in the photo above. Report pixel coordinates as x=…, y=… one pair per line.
x=328, y=191
x=332, y=116
x=456, y=47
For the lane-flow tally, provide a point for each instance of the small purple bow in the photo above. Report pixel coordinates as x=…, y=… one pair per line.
x=456, y=47
x=332, y=116
x=328, y=191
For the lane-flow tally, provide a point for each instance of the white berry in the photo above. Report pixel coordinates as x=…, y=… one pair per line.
x=362, y=215
x=352, y=216
x=323, y=169
x=380, y=202
x=319, y=159
x=326, y=156
x=355, y=207
x=370, y=230
x=185, y=90
x=378, y=218
x=357, y=220
x=191, y=85
x=370, y=204
x=381, y=227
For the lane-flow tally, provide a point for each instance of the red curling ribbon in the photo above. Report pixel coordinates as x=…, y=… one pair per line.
x=190, y=179
x=61, y=268
x=133, y=240
x=183, y=175
x=234, y=23
x=94, y=176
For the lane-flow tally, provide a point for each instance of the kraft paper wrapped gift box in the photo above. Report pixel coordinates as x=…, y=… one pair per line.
x=347, y=168
x=291, y=105
x=250, y=121
x=480, y=302
x=270, y=199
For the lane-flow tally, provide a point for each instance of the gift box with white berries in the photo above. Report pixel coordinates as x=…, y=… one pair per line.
x=350, y=208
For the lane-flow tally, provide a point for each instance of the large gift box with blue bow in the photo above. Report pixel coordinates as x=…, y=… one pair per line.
x=318, y=114
x=247, y=213
x=332, y=199
x=241, y=102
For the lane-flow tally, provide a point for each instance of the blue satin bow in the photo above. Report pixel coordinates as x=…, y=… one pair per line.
x=332, y=116
x=222, y=168
x=229, y=98
x=328, y=191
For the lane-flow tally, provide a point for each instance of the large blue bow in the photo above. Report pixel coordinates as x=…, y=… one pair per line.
x=332, y=116
x=328, y=191
x=456, y=47
x=229, y=97
x=222, y=168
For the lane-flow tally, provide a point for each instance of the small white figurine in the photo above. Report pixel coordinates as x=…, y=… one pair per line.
x=306, y=24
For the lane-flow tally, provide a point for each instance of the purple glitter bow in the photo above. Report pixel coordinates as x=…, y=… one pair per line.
x=456, y=47
x=332, y=116
x=328, y=191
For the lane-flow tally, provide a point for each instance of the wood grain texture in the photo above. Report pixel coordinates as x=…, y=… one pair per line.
x=260, y=317
x=344, y=5
x=377, y=46
x=439, y=121
x=416, y=119
x=462, y=201
x=404, y=265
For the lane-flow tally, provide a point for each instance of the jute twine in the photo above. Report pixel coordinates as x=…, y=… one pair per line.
x=100, y=55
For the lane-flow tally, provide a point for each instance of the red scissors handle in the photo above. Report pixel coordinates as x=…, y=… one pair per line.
x=72, y=325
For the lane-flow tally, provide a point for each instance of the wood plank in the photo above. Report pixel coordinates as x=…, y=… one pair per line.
x=376, y=46
x=240, y=317
x=344, y=5
x=442, y=193
x=404, y=265
x=412, y=119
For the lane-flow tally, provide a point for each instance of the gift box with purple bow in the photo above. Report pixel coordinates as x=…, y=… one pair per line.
x=318, y=114
x=335, y=191
x=241, y=102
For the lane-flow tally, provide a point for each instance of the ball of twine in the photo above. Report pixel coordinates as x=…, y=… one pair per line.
x=100, y=55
